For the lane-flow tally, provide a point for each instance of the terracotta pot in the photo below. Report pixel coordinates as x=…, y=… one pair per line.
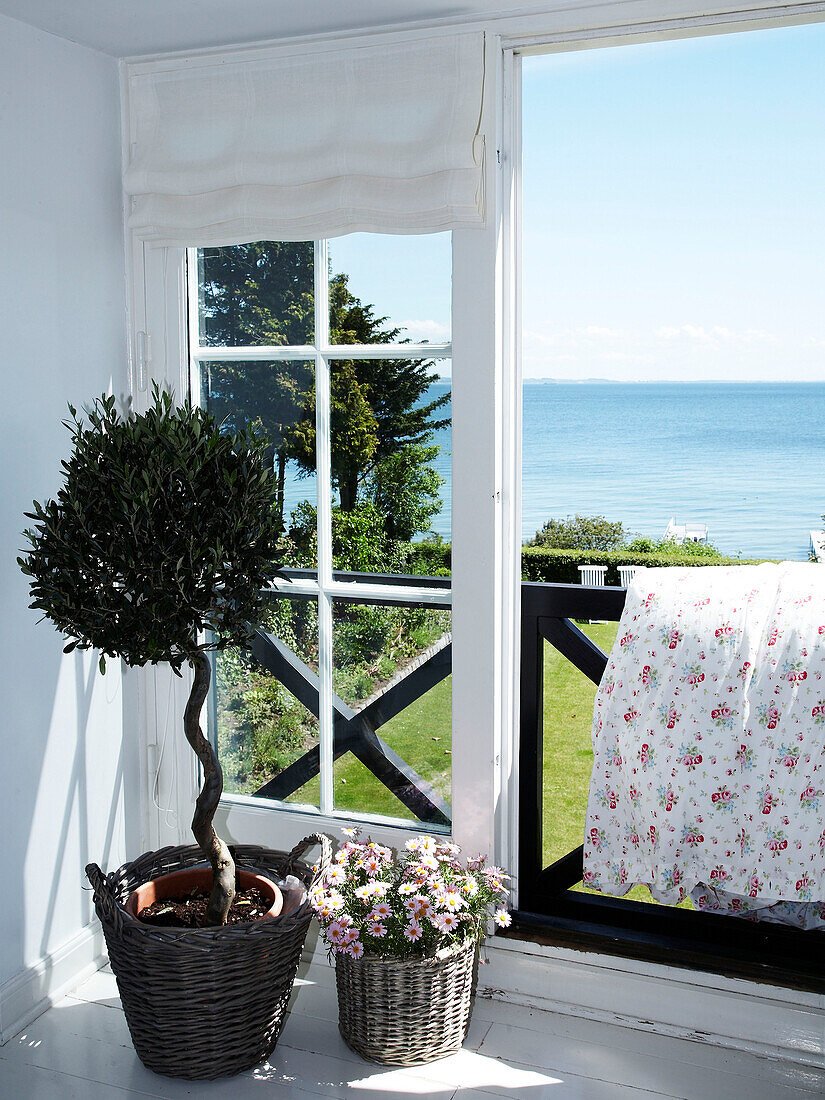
x=179, y=883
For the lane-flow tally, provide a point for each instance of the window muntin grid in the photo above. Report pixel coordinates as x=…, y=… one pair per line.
x=324, y=586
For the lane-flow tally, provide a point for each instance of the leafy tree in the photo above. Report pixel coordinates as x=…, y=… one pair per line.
x=260, y=293
x=161, y=532
x=263, y=294
x=404, y=489
x=353, y=432
x=270, y=396
x=393, y=389
x=580, y=533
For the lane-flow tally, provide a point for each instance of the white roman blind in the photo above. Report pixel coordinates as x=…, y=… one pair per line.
x=295, y=146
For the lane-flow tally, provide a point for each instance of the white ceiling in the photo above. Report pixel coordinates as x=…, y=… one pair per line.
x=126, y=28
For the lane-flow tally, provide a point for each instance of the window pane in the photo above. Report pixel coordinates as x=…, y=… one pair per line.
x=385, y=289
x=391, y=465
x=279, y=398
x=673, y=235
x=261, y=726
x=256, y=294
x=391, y=675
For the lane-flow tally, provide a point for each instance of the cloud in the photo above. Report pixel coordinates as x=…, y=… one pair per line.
x=677, y=351
x=433, y=331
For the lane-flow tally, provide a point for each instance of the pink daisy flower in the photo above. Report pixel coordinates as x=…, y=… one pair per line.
x=335, y=932
x=447, y=922
x=356, y=949
x=413, y=932
x=378, y=929
x=422, y=906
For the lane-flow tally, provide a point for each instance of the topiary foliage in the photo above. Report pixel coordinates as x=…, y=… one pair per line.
x=163, y=529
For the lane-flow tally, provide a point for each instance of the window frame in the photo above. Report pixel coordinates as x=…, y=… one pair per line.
x=326, y=587
x=159, y=352
x=547, y=911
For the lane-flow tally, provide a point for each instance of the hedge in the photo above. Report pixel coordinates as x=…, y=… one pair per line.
x=562, y=566
x=538, y=563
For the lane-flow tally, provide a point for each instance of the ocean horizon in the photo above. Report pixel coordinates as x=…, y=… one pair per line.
x=745, y=458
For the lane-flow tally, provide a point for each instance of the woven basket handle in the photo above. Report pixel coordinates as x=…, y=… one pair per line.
x=304, y=845
x=104, y=896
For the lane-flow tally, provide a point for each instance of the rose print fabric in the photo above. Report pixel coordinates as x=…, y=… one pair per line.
x=709, y=743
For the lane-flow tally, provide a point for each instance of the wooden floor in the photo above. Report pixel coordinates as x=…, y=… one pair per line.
x=80, y=1048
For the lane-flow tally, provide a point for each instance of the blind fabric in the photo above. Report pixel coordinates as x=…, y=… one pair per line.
x=377, y=138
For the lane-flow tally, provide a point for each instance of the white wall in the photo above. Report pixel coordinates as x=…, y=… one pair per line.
x=62, y=338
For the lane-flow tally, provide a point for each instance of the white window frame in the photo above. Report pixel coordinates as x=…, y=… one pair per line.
x=325, y=589
x=162, y=351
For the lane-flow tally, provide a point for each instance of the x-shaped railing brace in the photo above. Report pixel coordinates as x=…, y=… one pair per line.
x=355, y=730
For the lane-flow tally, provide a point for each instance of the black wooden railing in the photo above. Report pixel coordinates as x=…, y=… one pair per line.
x=549, y=910
x=355, y=729
x=547, y=611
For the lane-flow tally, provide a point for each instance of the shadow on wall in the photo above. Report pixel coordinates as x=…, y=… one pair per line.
x=70, y=790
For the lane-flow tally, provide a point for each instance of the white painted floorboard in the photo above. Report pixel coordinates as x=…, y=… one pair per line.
x=81, y=1048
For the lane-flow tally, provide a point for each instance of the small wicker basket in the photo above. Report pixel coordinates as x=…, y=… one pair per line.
x=406, y=1012
x=206, y=1002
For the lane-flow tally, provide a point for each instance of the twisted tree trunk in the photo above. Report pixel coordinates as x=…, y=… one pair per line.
x=223, y=866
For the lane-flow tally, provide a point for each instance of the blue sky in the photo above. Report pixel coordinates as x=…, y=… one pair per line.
x=674, y=215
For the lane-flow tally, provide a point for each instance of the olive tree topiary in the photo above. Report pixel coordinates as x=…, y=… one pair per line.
x=159, y=547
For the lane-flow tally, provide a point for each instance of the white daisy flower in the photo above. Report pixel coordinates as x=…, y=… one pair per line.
x=335, y=900
x=451, y=901
x=364, y=893
x=349, y=832
x=502, y=918
x=407, y=888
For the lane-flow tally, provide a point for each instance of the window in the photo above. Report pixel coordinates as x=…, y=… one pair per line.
x=671, y=234
x=339, y=351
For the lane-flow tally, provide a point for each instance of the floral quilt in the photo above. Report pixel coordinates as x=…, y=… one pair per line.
x=709, y=743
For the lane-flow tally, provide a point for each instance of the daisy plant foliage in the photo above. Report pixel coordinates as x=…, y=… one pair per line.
x=377, y=903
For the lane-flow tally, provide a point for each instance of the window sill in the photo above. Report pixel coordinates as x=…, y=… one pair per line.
x=768, y=954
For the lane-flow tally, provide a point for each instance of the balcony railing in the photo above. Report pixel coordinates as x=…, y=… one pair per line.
x=548, y=906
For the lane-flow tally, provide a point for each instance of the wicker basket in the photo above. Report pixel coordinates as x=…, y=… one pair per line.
x=206, y=1002
x=406, y=1012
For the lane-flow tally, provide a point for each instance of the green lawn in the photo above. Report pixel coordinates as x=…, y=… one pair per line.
x=421, y=735
x=568, y=755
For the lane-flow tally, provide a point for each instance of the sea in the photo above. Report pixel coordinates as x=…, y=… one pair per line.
x=746, y=459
